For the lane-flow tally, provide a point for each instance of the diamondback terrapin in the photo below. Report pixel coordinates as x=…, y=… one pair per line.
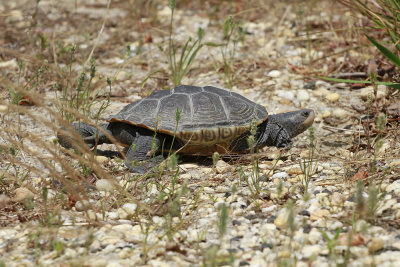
x=193, y=120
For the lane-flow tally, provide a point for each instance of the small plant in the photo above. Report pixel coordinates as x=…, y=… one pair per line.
x=211, y=257
x=254, y=181
x=18, y=96
x=215, y=157
x=233, y=34
x=308, y=166
x=331, y=242
x=77, y=96
x=179, y=67
x=222, y=221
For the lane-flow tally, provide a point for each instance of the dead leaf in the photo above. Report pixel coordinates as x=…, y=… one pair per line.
x=356, y=240
x=359, y=176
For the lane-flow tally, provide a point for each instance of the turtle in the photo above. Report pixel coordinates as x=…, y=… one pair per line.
x=192, y=120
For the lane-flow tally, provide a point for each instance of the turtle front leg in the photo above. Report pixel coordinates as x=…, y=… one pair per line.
x=145, y=149
x=273, y=134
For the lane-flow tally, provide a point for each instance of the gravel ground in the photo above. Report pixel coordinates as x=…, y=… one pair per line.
x=319, y=205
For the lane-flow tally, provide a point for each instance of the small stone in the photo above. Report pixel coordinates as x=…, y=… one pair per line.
x=282, y=219
x=105, y=185
x=339, y=113
x=220, y=203
x=258, y=261
x=125, y=253
x=338, y=198
x=314, y=236
x=303, y=95
x=101, y=159
x=93, y=216
x=274, y=74
x=3, y=108
x=326, y=114
x=309, y=251
x=122, y=228
x=396, y=245
x=333, y=97
x=10, y=64
x=157, y=263
x=376, y=244
x=319, y=214
x=384, y=148
x=3, y=200
x=322, y=85
x=279, y=175
x=222, y=167
x=289, y=95
x=127, y=210
x=112, y=215
x=22, y=193
x=121, y=75
x=305, y=154
x=295, y=170
x=395, y=163
x=70, y=253
x=284, y=254
x=369, y=91
x=82, y=205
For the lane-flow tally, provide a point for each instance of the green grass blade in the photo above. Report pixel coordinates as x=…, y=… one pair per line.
x=212, y=44
x=183, y=54
x=342, y=80
x=395, y=39
x=386, y=52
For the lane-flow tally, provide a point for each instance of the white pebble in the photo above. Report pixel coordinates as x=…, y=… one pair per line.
x=82, y=205
x=3, y=108
x=274, y=74
x=286, y=94
x=303, y=95
x=127, y=210
x=369, y=91
x=112, y=215
x=279, y=175
x=101, y=159
x=322, y=85
x=311, y=250
x=339, y=113
x=333, y=97
x=105, y=185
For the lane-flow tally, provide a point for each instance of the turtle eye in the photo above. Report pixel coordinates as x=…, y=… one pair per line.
x=305, y=113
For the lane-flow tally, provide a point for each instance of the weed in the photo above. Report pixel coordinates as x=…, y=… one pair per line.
x=77, y=96
x=308, y=166
x=233, y=33
x=222, y=220
x=254, y=181
x=331, y=242
x=215, y=157
x=180, y=67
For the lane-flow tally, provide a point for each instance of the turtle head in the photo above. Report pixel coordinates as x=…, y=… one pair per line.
x=294, y=122
x=90, y=134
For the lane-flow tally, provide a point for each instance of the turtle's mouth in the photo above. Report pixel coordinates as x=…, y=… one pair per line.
x=310, y=116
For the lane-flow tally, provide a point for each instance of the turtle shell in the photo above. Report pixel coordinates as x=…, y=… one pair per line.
x=208, y=115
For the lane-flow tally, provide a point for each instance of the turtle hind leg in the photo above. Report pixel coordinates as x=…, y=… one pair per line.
x=90, y=134
x=143, y=155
